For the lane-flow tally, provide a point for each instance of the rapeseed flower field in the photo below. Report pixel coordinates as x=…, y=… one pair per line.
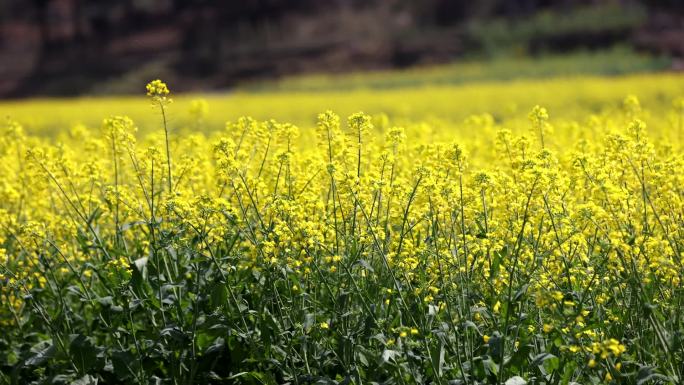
x=522, y=232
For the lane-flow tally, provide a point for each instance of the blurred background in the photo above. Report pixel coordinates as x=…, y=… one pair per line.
x=89, y=47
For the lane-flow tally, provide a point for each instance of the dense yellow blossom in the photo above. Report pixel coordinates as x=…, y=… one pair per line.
x=494, y=235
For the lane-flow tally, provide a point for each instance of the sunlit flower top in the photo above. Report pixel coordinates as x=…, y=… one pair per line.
x=158, y=91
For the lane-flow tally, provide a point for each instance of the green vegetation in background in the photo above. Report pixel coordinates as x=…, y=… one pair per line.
x=594, y=25
x=617, y=61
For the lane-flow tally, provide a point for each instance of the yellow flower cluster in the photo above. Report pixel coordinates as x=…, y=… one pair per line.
x=610, y=347
x=157, y=88
x=159, y=92
x=119, y=270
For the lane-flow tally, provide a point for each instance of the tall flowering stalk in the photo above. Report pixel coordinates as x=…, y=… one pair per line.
x=159, y=93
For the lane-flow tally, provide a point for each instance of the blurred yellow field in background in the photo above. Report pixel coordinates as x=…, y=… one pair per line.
x=572, y=98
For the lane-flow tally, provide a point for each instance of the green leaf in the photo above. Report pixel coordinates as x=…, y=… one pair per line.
x=540, y=359
x=124, y=363
x=85, y=380
x=365, y=265
x=520, y=357
x=551, y=364
x=494, y=267
x=361, y=356
x=129, y=225
x=388, y=355
x=490, y=367
x=646, y=374
x=237, y=375
x=471, y=325
x=105, y=301
x=495, y=344
x=520, y=293
x=43, y=352
x=439, y=351
x=140, y=263
x=309, y=320
x=84, y=354
x=516, y=380
x=568, y=371
x=219, y=295
x=256, y=378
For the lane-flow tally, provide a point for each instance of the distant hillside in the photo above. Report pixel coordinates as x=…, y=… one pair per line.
x=66, y=47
